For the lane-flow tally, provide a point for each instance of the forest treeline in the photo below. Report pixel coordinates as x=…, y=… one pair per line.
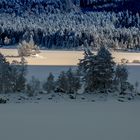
x=69, y=31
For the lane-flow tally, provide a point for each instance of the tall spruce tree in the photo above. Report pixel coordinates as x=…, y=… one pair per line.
x=104, y=69
x=62, y=82
x=22, y=71
x=5, y=71
x=97, y=70
x=49, y=85
x=12, y=76
x=121, y=77
x=73, y=82
x=86, y=67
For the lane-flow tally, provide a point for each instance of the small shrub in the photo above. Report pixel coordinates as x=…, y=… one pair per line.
x=120, y=100
x=124, y=61
x=28, y=48
x=72, y=97
x=2, y=101
x=136, y=61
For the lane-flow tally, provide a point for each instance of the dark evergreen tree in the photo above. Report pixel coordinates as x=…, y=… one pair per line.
x=98, y=70
x=121, y=77
x=62, y=82
x=21, y=78
x=12, y=76
x=69, y=82
x=104, y=69
x=5, y=71
x=73, y=82
x=49, y=85
x=33, y=87
x=86, y=67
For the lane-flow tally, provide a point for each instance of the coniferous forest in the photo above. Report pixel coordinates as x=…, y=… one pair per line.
x=66, y=24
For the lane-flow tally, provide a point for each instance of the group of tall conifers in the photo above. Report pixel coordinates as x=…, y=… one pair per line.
x=100, y=73
x=12, y=76
x=95, y=73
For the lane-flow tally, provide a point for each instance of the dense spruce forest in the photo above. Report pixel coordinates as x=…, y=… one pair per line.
x=67, y=24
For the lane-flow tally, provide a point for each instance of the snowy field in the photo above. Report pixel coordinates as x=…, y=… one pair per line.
x=64, y=58
x=70, y=121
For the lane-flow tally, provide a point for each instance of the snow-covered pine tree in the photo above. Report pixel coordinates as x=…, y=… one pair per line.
x=86, y=68
x=12, y=76
x=121, y=76
x=62, y=82
x=21, y=78
x=33, y=87
x=5, y=82
x=104, y=69
x=28, y=48
x=49, y=85
x=73, y=82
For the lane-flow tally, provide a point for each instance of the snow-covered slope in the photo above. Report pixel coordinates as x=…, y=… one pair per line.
x=36, y=6
x=39, y=6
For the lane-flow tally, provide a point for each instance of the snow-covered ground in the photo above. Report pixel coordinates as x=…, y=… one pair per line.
x=70, y=121
x=64, y=58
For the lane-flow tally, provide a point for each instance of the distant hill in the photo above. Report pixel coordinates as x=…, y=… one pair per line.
x=41, y=6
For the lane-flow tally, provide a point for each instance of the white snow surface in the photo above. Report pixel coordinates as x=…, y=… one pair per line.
x=65, y=57
x=94, y=118
x=70, y=121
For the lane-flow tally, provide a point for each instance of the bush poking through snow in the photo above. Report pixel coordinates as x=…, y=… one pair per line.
x=136, y=61
x=28, y=48
x=2, y=101
x=49, y=84
x=33, y=87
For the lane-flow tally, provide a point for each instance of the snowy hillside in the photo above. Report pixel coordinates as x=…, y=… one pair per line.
x=39, y=6
x=67, y=24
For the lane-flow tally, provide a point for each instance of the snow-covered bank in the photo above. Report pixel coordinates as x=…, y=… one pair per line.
x=70, y=121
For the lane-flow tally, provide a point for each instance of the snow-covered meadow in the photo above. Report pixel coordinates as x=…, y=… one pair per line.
x=70, y=121
x=64, y=58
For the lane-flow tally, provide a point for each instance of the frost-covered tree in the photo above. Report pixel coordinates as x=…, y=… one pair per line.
x=73, y=81
x=33, y=86
x=86, y=67
x=69, y=82
x=28, y=48
x=21, y=78
x=62, y=82
x=12, y=76
x=121, y=77
x=136, y=86
x=5, y=71
x=104, y=68
x=97, y=70
x=49, y=85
